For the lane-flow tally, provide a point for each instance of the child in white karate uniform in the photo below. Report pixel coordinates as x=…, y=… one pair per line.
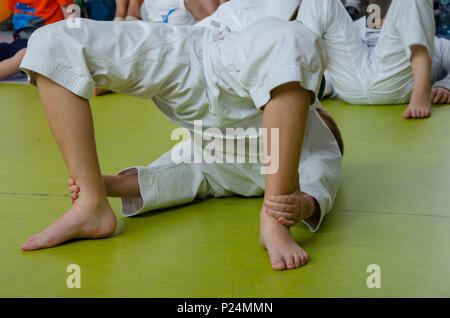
x=179, y=12
x=225, y=78
x=440, y=70
x=396, y=71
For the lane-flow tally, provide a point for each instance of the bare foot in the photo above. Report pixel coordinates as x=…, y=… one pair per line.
x=284, y=253
x=419, y=107
x=82, y=220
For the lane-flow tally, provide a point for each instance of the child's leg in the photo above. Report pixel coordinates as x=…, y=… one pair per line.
x=420, y=104
x=134, y=9
x=91, y=216
x=122, y=186
x=288, y=111
x=406, y=37
x=121, y=8
x=346, y=51
x=10, y=66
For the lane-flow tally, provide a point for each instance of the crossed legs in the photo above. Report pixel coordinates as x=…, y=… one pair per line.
x=91, y=215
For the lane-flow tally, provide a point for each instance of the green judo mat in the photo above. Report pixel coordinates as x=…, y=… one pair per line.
x=392, y=210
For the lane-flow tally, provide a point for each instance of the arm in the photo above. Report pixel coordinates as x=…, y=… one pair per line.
x=321, y=171
x=65, y=12
x=64, y=5
x=202, y=8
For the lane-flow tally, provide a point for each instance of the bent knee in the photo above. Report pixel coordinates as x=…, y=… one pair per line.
x=47, y=37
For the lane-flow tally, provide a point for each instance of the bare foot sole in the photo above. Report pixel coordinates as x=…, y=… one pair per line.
x=284, y=252
x=82, y=220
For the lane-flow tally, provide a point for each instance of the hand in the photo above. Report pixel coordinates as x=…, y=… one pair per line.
x=290, y=209
x=440, y=95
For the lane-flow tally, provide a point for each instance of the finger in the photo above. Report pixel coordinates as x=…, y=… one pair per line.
x=280, y=207
x=70, y=182
x=433, y=94
x=443, y=98
x=74, y=196
x=438, y=97
x=74, y=188
x=72, y=201
x=287, y=222
x=283, y=199
x=277, y=215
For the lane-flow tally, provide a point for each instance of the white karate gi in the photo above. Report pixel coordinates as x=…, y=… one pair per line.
x=440, y=70
x=216, y=75
x=364, y=76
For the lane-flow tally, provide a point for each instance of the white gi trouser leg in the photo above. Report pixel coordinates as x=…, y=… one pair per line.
x=346, y=52
x=135, y=58
x=440, y=74
x=359, y=77
x=407, y=23
x=165, y=184
x=192, y=73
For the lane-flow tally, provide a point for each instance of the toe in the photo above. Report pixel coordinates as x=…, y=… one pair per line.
x=277, y=263
x=297, y=260
x=289, y=261
x=30, y=244
x=305, y=258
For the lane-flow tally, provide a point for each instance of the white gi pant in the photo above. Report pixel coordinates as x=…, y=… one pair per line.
x=380, y=76
x=195, y=73
x=440, y=70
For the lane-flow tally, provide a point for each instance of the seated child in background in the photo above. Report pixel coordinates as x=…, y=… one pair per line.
x=440, y=70
x=228, y=78
x=100, y=10
x=28, y=16
x=398, y=68
x=180, y=12
x=128, y=10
